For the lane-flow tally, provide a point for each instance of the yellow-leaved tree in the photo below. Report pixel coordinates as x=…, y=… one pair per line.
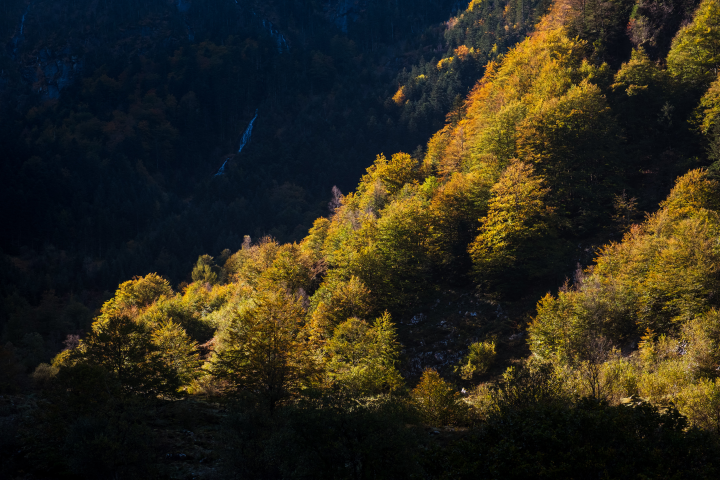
x=263, y=350
x=514, y=240
x=438, y=402
x=695, y=53
x=362, y=358
x=660, y=277
x=140, y=340
x=125, y=350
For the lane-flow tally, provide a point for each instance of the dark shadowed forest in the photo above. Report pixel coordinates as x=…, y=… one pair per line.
x=360, y=239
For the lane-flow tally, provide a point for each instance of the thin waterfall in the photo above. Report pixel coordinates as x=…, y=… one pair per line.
x=248, y=132
x=243, y=141
x=222, y=169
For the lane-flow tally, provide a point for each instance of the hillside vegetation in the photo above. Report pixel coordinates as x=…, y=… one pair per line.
x=569, y=205
x=122, y=125
x=116, y=117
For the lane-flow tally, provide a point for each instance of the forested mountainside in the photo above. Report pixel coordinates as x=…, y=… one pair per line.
x=137, y=136
x=533, y=294
x=117, y=116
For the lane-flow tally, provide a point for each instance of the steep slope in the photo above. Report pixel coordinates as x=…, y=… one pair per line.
x=544, y=161
x=314, y=349
x=125, y=112
x=116, y=118
x=141, y=135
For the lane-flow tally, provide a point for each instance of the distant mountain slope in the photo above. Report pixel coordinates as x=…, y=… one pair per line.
x=116, y=115
x=122, y=124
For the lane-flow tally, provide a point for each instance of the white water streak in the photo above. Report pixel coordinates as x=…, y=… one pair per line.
x=248, y=132
x=222, y=169
x=243, y=141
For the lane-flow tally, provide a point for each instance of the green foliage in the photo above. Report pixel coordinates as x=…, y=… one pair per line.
x=534, y=383
x=551, y=103
x=708, y=111
x=292, y=270
x=248, y=263
x=205, y=270
x=141, y=339
x=655, y=285
x=544, y=104
x=124, y=348
x=455, y=208
x=639, y=75
x=288, y=266
x=393, y=174
x=362, y=358
x=382, y=240
x=570, y=139
x=659, y=277
x=401, y=250
x=701, y=403
x=263, y=350
x=546, y=153
x=693, y=194
x=478, y=360
x=136, y=294
x=437, y=401
x=337, y=301
x=702, y=335
x=185, y=311
x=104, y=151
x=642, y=89
x=178, y=352
x=510, y=243
x=434, y=87
x=620, y=378
x=652, y=28
x=695, y=53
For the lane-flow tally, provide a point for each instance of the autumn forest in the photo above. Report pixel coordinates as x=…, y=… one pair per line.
x=360, y=239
